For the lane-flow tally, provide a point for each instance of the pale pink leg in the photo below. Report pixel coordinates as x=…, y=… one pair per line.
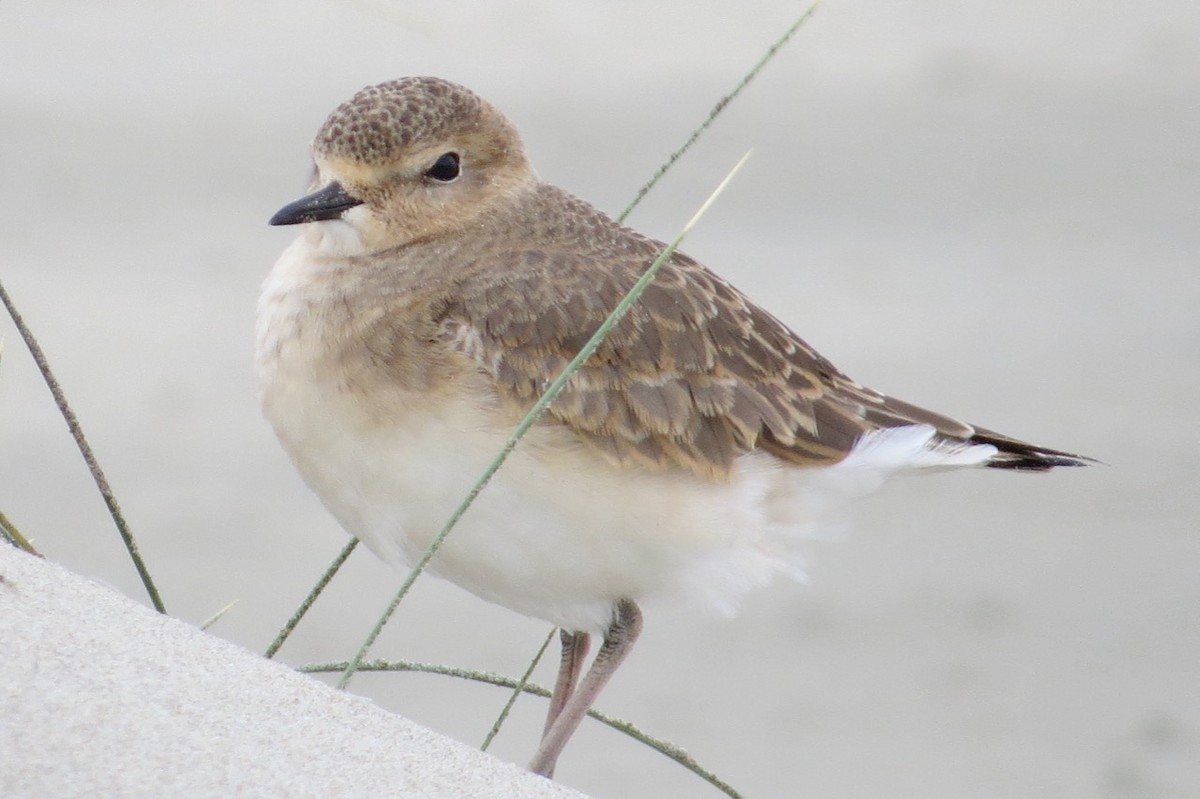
x=574, y=650
x=621, y=635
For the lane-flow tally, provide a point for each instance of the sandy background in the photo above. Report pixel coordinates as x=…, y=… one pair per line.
x=990, y=209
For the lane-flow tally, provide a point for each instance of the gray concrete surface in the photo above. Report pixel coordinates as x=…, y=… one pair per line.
x=989, y=209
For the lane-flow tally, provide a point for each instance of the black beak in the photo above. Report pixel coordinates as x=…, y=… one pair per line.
x=328, y=203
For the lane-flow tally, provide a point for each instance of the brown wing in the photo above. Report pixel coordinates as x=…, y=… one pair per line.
x=693, y=376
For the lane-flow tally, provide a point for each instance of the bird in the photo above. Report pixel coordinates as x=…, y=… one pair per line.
x=436, y=288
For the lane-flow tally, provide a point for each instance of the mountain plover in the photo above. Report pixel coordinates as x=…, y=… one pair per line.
x=436, y=289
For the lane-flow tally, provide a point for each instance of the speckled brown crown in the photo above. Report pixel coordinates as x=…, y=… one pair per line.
x=381, y=121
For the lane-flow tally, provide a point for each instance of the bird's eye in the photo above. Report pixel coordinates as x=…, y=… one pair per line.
x=445, y=169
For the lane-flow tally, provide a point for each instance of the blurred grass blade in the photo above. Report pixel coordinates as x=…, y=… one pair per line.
x=213, y=619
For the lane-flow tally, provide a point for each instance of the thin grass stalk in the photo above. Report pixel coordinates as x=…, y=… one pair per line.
x=10, y=533
x=531, y=418
x=518, y=688
x=667, y=748
x=718, y=108
x=311, y=598
x=662, y=170
x=64, y=407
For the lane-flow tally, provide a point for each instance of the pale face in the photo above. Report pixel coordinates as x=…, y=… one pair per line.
x=427, y=192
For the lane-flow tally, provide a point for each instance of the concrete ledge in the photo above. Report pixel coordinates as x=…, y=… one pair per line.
x=100, y=696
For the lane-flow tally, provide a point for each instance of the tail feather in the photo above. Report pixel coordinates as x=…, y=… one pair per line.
x=1012, y=453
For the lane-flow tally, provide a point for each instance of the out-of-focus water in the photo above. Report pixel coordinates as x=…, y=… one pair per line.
x=989, y=209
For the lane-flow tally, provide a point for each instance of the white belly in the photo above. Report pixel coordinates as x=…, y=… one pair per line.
x=555, y=535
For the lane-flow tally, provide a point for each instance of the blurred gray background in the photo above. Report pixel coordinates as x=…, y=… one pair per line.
x=992, y=209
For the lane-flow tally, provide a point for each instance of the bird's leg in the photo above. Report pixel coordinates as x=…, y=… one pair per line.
x=574, y=650
x=618, y=640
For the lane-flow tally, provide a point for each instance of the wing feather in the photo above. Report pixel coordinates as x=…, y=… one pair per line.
x=694, y=375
